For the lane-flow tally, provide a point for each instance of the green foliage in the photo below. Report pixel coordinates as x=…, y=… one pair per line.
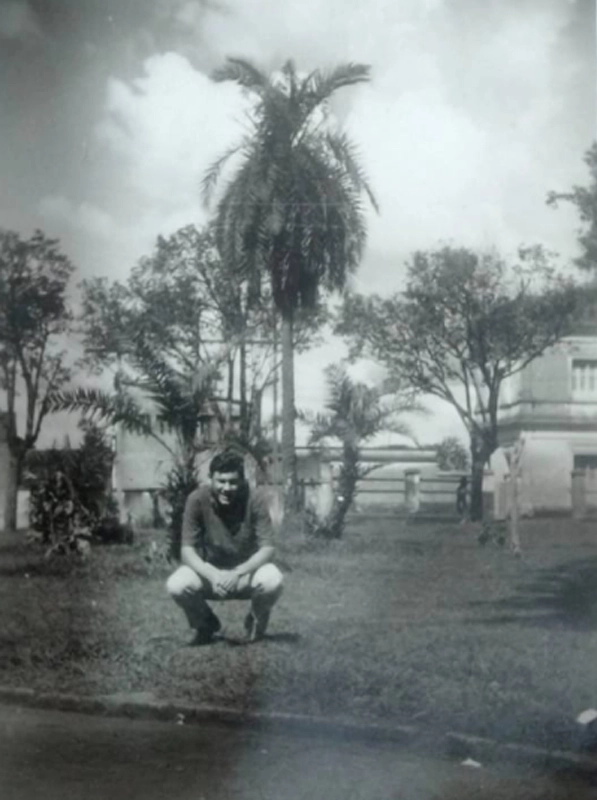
x=465, y=323
x=186, y=309
x=34, y=316
x=452, y=455
x=179, y=403
x=354, y=413
x=173, y=300
x=70, y=496
x=103, y=406
x=584, y=198
x=180, y=482
x=293, y=207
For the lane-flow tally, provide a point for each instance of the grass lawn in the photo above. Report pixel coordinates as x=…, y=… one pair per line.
x=396, y=623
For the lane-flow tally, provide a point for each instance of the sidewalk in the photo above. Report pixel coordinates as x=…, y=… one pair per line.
x=52, y=755
x=143, y=706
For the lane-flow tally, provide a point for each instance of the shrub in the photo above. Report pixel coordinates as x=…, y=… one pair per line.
x=180, y=482
x=452, y=455
x=70, y=499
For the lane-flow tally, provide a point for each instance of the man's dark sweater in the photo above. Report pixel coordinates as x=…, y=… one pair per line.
x=226, y=537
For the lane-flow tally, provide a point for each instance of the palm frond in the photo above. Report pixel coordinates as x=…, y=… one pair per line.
x=346, y=155
x=321, y=85
x=113, y=408
x=293, y=208
x=213, y=172
x=342, y=75
x=244, y=73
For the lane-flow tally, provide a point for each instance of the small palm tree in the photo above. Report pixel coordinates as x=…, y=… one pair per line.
x=354, y=414
x=293, y=207
x=179, y=402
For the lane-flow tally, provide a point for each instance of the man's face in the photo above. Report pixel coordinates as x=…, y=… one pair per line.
x=225, y=487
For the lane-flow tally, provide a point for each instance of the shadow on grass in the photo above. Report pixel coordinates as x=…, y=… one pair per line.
x=562, y=596
x=281, y=638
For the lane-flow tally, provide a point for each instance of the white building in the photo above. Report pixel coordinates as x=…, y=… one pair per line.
x=552, y=406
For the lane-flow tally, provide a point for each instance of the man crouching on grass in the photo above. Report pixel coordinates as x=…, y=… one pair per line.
x=227, y=548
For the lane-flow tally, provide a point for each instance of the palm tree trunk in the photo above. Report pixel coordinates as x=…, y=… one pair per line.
x=347, y=488
x=289, y=470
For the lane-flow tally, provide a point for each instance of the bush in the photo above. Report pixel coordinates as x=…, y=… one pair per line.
x=70, y=499
x=109, y=530
x=181, y=481
x=452, y=455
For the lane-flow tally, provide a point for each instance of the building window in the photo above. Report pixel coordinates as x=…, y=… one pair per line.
x=586, y=461
x=584, y=376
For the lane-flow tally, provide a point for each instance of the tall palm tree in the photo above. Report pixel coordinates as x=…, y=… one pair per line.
x=293, y=205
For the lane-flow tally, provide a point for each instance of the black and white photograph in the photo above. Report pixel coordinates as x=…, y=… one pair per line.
x=298, y=399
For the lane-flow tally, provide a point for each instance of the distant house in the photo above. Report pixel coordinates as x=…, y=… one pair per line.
x=552, y=406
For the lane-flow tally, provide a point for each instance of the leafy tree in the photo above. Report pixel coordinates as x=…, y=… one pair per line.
x=585, y=200
x=466, y=322
x=452, y=454
x=188, y=307
x=34, y=318
x=292, y=209
x=354, y=413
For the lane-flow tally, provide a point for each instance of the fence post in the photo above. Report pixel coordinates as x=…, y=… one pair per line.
x=579, y=494
x=412, y=495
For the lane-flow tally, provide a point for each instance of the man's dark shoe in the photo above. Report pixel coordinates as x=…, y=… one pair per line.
x=256, y=626
x=201, y=638
x=206, y=634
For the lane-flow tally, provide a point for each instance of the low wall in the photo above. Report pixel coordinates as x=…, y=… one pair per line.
x=409, y=492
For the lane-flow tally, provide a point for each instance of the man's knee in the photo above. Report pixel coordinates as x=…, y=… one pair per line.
x=268, y=579
x=182, y=581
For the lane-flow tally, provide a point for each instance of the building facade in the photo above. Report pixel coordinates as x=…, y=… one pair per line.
x=551, y=406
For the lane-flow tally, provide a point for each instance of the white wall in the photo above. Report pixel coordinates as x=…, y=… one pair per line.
x=547, y=464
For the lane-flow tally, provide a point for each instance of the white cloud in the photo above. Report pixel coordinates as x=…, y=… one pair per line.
x=85, y=217
x=167, y=128
x=18, y=20
x=456, y=129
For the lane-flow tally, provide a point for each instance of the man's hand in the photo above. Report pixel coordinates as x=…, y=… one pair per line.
x=224, y=582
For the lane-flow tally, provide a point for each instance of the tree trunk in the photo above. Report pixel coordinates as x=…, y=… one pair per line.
x=230, y=391
x=255, y=417
x=244, y=416
x=14, y=467
x=347, y=488
x=478, y=466
x=289, y=470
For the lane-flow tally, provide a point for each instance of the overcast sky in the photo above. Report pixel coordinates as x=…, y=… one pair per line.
x=476, y=109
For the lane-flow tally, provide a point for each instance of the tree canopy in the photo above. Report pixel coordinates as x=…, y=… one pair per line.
x=34, y=318
x=293, y=206
x=186, y=305
x=466, y=322
x=585, y=200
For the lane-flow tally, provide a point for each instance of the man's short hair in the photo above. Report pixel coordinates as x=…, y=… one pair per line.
x=227, y=461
